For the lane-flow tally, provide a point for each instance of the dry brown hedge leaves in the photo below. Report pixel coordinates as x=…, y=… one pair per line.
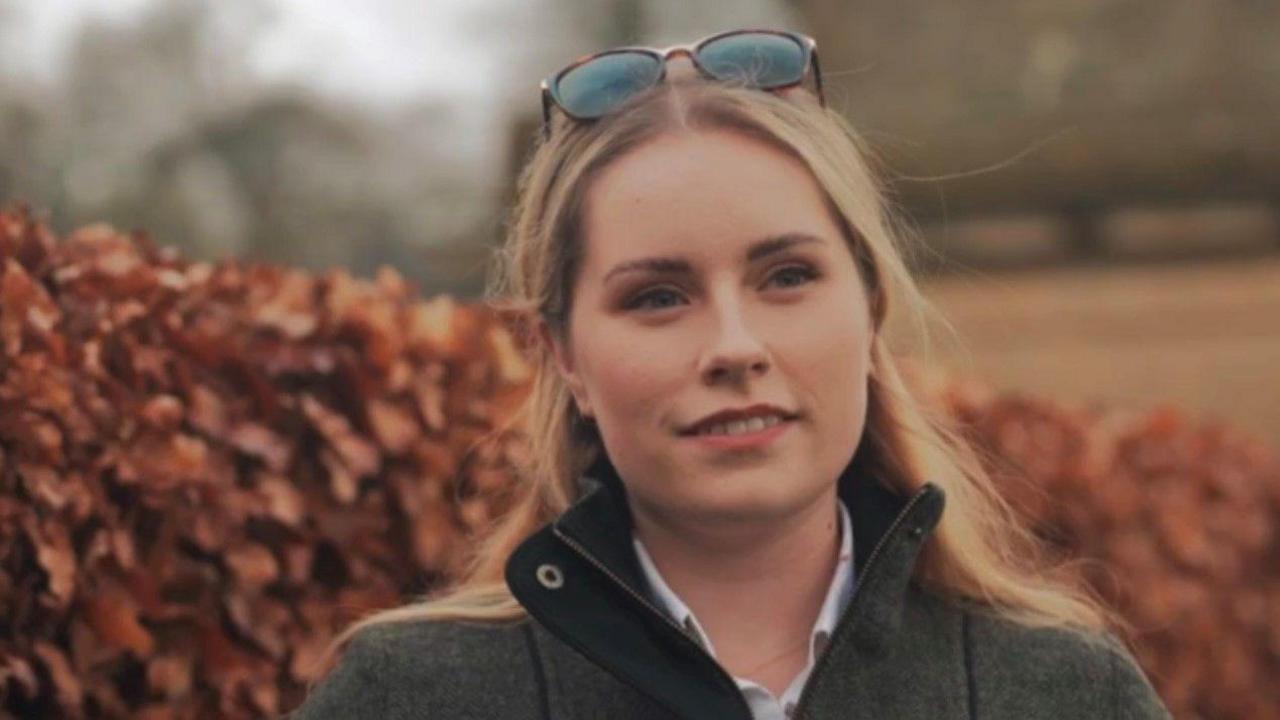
x=206, y=470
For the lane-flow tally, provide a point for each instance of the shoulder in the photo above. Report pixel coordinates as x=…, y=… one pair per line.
x=994, y=635
x=1015, y=665
x=443, y=645
x=395, y=669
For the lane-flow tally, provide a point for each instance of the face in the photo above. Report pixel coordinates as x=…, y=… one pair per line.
x=715, y=277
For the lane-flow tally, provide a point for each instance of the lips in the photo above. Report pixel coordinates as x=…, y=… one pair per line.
x=730, y=415
x=738, y=427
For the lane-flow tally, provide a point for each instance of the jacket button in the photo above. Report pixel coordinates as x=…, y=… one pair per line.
x=916, y=531
x=550, y=576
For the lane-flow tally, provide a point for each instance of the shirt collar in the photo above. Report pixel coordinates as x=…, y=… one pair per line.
x=838, y=593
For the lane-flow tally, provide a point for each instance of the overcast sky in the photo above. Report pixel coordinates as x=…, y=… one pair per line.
x=480, y=60
x=375, y=49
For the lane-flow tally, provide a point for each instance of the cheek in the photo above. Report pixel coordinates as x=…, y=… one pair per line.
x=838, y=370
x=831, y=360
x=626, y=374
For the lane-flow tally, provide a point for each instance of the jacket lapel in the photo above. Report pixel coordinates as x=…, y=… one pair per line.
x=579, y=578
x=892, y=528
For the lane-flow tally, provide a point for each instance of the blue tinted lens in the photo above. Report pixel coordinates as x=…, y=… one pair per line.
x=761, y=60
x=598, y=85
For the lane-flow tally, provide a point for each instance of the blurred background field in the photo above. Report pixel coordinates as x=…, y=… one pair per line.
x=1091, y=195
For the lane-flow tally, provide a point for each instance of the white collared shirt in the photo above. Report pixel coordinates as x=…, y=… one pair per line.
x=764, y=706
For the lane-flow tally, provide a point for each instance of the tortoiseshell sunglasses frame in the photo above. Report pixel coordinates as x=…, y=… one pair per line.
x=807, y=44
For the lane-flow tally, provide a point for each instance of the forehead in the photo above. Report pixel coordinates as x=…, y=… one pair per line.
x=698, y=192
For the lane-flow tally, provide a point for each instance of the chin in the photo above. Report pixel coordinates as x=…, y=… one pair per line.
x=764, y=500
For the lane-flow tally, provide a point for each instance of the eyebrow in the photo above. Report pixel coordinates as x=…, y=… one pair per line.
x=680, y=266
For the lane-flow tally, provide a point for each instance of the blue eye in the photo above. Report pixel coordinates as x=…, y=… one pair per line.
x=806, y=275
x=653, y=299
x=639, y=302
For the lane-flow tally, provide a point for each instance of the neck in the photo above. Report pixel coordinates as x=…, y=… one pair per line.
x=722, y=570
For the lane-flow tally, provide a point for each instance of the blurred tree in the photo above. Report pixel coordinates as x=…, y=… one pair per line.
x=20, y=124
x=628, y=23
x=160, y=123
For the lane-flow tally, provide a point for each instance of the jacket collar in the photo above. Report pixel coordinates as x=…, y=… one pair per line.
x=580, y=578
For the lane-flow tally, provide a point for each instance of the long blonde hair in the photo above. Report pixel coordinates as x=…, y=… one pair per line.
x=981, y=550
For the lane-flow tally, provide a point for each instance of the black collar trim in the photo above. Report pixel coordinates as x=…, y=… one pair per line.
x=579, y=577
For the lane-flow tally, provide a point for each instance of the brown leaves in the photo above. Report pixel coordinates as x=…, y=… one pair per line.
x=357, y=455
x=1179, y=520
x=201, y=469
x=113, y=616
x=394, y=427
x=66, y=686
x=17, y=672
x=170, y=676
x=252, y=566
x=55, y=557
x=259, y=441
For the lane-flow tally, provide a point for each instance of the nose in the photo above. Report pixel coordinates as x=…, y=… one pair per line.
x=734, y=352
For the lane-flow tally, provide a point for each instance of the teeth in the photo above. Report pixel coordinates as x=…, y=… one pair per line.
x=739, y=427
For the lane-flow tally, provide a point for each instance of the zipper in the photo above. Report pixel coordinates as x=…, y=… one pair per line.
x=645, y=602
x=842, y=628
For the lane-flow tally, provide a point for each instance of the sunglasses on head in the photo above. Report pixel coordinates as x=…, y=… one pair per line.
x=591, y=86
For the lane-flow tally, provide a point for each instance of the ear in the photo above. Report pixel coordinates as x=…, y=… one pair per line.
x=564, y=365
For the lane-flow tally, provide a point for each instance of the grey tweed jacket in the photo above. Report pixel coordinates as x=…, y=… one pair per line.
x=593, y=646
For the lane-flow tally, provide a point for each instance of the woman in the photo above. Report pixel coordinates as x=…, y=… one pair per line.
x=735, y=504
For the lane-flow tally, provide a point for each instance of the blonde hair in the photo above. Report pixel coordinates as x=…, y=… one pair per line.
x=981, y=551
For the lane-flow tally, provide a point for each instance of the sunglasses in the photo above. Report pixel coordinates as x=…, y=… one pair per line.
x=591, y=86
